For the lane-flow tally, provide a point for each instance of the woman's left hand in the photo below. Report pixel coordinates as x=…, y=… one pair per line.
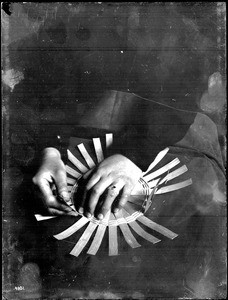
x=113, y=179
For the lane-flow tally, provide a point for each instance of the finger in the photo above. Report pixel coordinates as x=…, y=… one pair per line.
x=61, y=185
x=87, y=174
x=93, y=180
x=126, y=192
x=95, y=194
x=112, y=194
x=48, y=197
x=55, y=212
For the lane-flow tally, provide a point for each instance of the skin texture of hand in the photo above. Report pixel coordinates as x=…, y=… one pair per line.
x=112, y=181
x=52, y=173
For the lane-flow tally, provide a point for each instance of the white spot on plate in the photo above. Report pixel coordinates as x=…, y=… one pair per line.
x=12, y=77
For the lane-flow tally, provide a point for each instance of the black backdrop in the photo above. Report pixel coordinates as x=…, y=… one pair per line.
x=58, y=58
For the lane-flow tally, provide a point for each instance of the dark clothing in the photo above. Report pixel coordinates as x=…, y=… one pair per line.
x=191, y=261
x=141, y=127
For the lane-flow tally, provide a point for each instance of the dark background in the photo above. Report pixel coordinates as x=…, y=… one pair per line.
x=57, y=57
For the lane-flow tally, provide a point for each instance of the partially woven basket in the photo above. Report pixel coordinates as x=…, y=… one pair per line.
x=150, y=184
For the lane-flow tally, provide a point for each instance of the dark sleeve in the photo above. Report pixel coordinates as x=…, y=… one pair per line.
x=151, y=128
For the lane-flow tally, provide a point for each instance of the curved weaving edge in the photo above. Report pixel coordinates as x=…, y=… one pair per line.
x=126, y=218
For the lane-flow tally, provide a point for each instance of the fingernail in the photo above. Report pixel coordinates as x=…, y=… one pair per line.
x=73, y=213
x=100, y=216
x=65, y=196
x=68, y=209
x=115, y=210
x=88, y=215
x=81, y=210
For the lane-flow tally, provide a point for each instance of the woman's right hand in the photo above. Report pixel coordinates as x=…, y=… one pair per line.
x=52, y=173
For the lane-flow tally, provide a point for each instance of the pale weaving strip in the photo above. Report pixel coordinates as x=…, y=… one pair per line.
x=159, y=228
x=157, y=159
x=109, y=139
x=42, y=218
x=71, y=181
x=162, y=170
x=83, y=239
x=174, y=174
x=174, y=187
x=153, y=183
x=112, y=235
x=76, y=162
x=98, y=237
x=86, y=156
x=98, y=149
x=72, y=229
x=140, y=231
x=129, y=238
x=72, y=172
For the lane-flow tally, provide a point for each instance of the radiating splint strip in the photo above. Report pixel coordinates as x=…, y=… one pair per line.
x=98, y=149
x=162, y=170
x=174, y=174
x=42, y=218
x=174, y=187
x=157, y=159
x=97, y=240
x=129, y=238
x=72, y=172
x=71, y=181
x=109, y=139
x=153, y=183
x=135, y=226
x=113, y=242
x=73, y=213
x=83, y=239
x=159, y=228
x=112, y=237
x=168, y=177
x=76, y=162
x=72, y=229
x=98, y=237
x=86, y=156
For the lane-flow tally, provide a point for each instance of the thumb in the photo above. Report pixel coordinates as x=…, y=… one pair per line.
x=61, y=185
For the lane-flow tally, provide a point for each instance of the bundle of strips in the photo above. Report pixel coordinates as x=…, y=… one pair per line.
x=150, y=184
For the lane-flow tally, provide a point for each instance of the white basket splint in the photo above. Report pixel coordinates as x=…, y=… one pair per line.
x=127, y=218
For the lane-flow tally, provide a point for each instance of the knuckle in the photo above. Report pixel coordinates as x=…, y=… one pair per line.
x=113, y=194
x=87, y=187
x=101, y=171
x=121, y=203
x=106, y=207
x=95, y=191
x=36, y=180
x=129, y=186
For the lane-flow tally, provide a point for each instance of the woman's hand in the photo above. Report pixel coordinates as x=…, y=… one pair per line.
x=113, y=179
x=52, y=173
